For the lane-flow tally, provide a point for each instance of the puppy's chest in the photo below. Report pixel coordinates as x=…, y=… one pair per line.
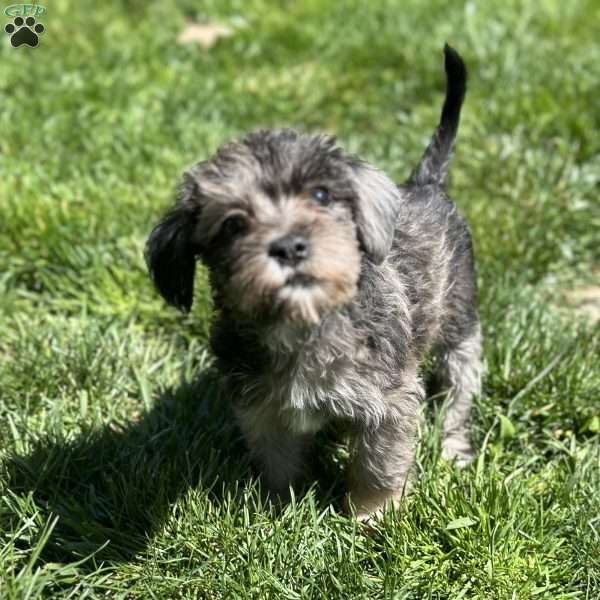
x=301, y=393
x=304, y=381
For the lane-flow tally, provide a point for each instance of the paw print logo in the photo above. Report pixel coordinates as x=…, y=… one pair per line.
x=24, y=31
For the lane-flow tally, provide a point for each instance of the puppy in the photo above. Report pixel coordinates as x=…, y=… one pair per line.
x=331, y=285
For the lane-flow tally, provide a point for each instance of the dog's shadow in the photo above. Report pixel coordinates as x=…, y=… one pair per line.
x=112, y=489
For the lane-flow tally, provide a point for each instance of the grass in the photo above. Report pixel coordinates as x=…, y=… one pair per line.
x=120, y=473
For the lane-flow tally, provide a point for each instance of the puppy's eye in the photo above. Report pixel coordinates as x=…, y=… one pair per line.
x=321, y=195
x=233, y=226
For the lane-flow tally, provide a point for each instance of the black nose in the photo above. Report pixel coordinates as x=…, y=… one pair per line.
x=289, y=249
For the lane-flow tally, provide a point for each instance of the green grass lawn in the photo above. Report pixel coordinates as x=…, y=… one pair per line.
x=121, y=473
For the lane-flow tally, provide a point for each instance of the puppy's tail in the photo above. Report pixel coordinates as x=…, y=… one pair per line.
x=433, y=166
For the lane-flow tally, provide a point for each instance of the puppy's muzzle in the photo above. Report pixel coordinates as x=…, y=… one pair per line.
x=290, y=250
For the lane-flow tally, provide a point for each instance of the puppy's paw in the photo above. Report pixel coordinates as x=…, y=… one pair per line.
x=457, y=447
x=370, y=506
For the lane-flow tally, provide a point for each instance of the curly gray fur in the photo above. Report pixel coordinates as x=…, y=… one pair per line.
x=331, y=284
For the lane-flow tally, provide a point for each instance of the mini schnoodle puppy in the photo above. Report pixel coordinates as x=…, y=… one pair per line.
x=331, y=284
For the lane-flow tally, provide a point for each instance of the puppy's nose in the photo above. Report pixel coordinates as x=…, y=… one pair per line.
x=289, y=249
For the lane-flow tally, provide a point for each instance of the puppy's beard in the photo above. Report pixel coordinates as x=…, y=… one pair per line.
x=266, y=290
x=301, y=301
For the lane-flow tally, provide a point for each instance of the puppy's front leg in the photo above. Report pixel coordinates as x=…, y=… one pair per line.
x=278, y=452
x=384, y=455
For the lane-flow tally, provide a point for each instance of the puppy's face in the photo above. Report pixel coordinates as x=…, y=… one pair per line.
x=281, y=252
x=281, y=220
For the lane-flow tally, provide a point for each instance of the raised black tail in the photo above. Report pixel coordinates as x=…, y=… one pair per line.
x=433, y=166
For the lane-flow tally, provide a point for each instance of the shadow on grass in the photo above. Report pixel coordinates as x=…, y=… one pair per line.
x=117, y=484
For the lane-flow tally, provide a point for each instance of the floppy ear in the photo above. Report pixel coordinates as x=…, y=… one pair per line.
x=170, y=253
x=377, y=204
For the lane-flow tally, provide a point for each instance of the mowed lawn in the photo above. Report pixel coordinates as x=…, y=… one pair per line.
x=121, y=472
